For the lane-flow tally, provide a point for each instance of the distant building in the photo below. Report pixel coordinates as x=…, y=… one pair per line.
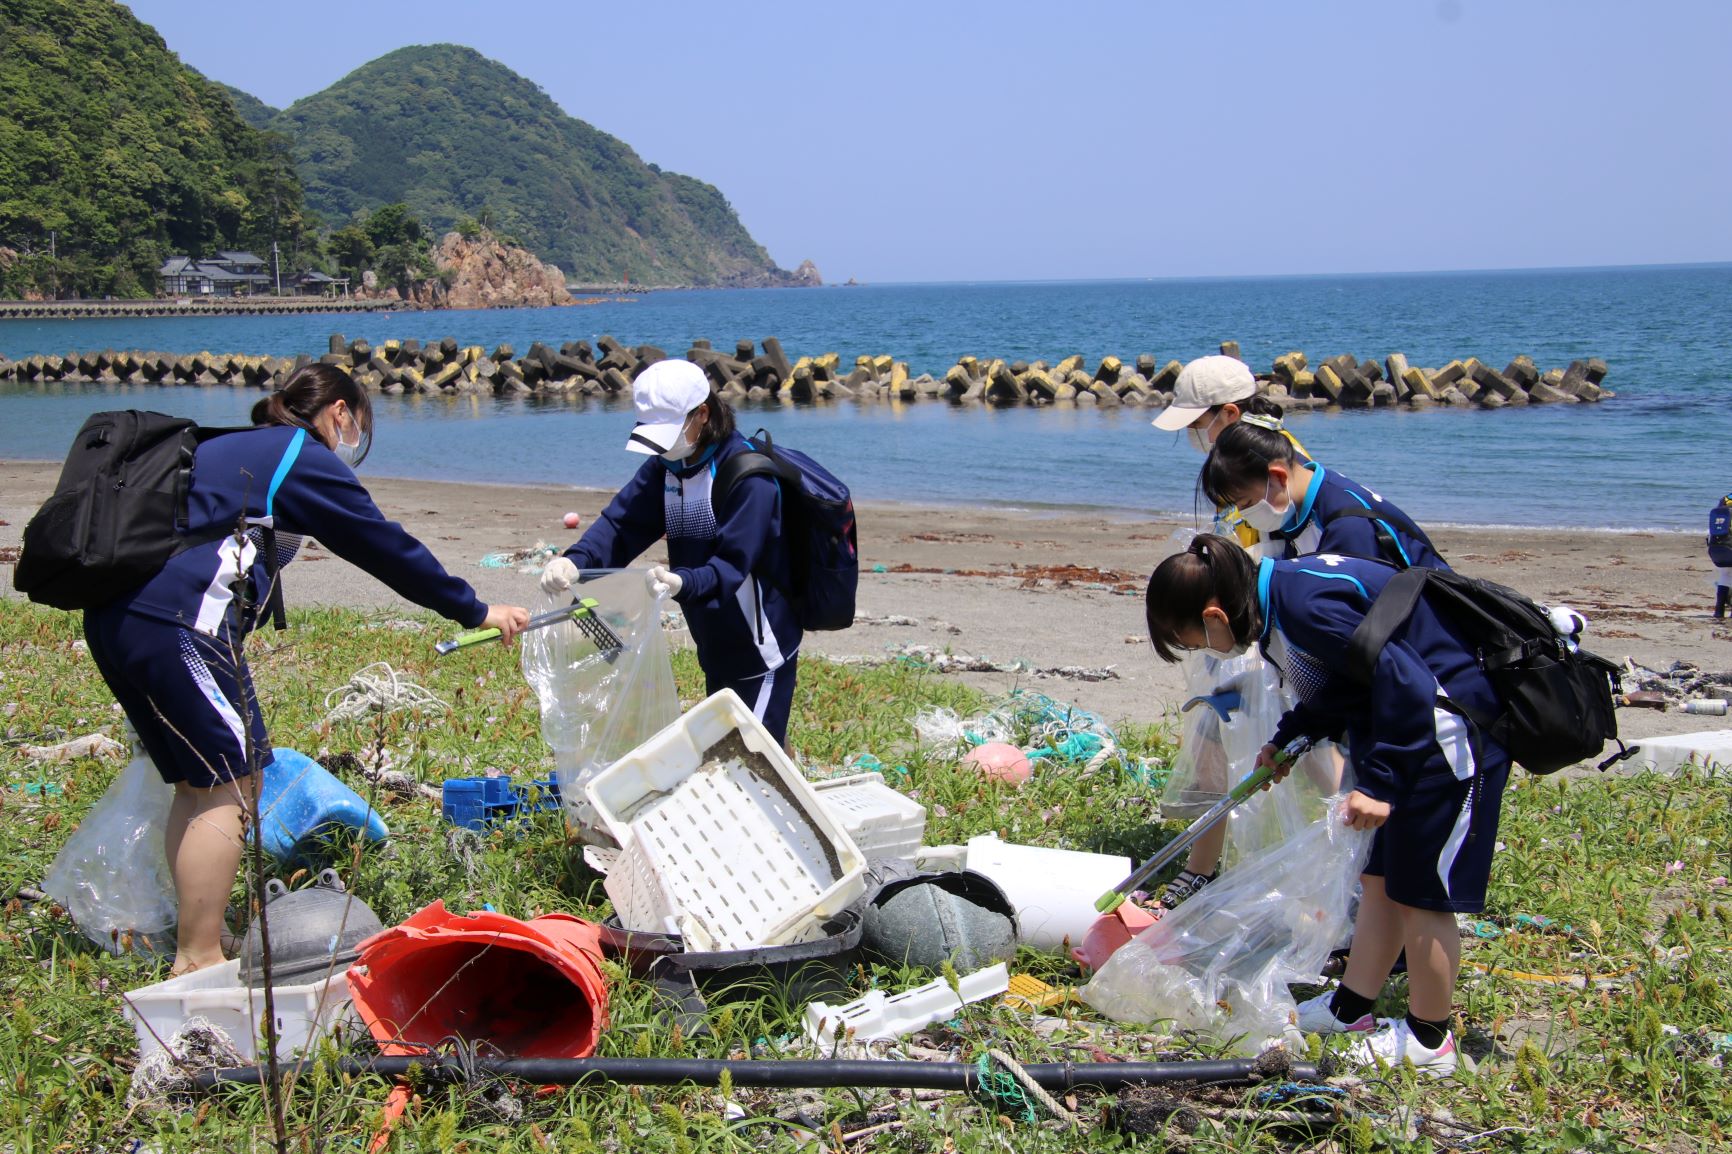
x=227, y=274
x=317, y=284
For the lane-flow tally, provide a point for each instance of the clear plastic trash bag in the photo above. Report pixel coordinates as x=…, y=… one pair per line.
x=598, y=703
x=112, y=875
x=1220, y=963
x=1213, y=755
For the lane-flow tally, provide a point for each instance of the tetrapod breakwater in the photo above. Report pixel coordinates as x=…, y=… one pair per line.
x=762, y=370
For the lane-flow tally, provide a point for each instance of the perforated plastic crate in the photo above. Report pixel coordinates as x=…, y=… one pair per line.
x=723, y=840
x=882, y=822
x=304, y=1010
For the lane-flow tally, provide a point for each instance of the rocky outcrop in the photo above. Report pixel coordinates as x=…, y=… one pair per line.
x=807, y=275
x=482, y=272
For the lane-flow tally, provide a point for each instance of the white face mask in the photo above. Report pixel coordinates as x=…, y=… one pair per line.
x=1263, y=516
x=347, y=453
x=1203, y=439
x=1237, y=649
x=682, y=447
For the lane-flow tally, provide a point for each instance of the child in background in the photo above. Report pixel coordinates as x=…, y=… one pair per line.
x=1426, y=781
x=1293, y=499
x=1720, y=551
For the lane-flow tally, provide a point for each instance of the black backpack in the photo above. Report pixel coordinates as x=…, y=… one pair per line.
x=818, y=518
x=118, y=513
x=1558, y=705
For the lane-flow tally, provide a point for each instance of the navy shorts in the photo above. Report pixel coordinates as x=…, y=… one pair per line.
x=770, y=697
x=189, y=698
x=1434, y=852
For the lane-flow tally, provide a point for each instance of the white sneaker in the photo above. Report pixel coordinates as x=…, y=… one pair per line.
x=1394, y=1044
x=1315, y=1017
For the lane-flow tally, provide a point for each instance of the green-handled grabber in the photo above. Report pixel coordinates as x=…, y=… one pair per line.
x=1258, y=778
x=581, y=611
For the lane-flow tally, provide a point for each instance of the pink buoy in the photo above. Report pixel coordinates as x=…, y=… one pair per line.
x=1109, y=932
x=1000, y=761
x=571, y=520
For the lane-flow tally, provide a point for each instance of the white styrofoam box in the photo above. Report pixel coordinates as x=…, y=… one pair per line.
x=882, y=822
x=738, y=858
x=218, y=994
x=1053, y=890
x=880, y=1016
x=1711, y=749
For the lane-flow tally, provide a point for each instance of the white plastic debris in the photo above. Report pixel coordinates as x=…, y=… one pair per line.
x=90, y=745
x=880, y=1016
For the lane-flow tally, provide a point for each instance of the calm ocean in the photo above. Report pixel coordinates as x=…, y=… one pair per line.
x=1655, y=456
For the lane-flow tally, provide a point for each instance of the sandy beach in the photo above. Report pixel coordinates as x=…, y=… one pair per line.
x=1047, y=590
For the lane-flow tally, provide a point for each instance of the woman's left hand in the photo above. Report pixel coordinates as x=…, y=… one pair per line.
x=1361, y=811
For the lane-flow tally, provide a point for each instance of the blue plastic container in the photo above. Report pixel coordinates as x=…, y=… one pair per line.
x=301, y=803
x=477, y=802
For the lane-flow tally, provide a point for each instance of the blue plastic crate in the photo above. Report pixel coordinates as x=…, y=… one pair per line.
x=477, y=802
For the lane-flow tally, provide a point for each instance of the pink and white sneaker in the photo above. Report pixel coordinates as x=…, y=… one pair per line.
x=1317, y=1017
x=1394, y=1044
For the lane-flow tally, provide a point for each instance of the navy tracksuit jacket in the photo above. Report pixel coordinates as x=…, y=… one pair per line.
x=732, y=561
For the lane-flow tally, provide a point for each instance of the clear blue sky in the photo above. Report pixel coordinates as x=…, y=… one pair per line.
x=962, y=140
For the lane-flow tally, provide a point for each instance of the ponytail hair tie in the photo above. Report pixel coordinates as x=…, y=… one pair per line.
x=1263, y=421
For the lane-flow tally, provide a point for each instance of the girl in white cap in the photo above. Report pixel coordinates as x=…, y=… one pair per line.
x=727, y=567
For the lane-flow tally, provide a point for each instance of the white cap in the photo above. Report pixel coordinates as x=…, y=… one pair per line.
x=1203, y=384
x=665, y=395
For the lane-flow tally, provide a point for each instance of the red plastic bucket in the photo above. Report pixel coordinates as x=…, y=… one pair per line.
x=530, y=989
x=1109, y=932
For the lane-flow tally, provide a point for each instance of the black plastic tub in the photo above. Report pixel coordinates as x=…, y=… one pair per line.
x=798, y=973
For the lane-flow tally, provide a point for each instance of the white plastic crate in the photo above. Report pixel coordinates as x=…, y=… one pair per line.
x=729, y=852
x=882, y=822
x=218, y=994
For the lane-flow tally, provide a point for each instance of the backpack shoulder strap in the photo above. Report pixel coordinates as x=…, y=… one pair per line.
x=1389, y=611
x=753, y=462
x=1394, y=554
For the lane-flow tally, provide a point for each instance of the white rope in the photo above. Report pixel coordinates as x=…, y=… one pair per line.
x=378, y=688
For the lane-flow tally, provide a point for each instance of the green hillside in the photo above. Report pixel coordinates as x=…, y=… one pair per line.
x=456, y=135
x=123, y=153
x=252, y=110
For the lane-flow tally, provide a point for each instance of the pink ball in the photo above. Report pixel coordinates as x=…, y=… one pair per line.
x=1000, y=761
x=571, y=520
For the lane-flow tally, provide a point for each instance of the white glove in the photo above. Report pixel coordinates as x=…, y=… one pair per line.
x=558, y=575
x=665, y=581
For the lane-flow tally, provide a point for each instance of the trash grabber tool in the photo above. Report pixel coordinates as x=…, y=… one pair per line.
x=1169, y=853
x=582, y=612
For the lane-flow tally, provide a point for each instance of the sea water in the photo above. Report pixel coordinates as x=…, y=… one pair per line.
x=1655, y=456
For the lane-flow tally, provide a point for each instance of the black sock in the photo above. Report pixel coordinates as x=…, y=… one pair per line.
x=1430, y=1034
x=1348, y=1006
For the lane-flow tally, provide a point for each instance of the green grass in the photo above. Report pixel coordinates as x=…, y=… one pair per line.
x=1629, y=863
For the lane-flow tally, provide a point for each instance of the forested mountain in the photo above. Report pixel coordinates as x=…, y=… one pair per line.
x=253, y=110
x=455, y=135
x=124, y=154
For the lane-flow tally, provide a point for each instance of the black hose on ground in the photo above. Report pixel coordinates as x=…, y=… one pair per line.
x=1057, y=1077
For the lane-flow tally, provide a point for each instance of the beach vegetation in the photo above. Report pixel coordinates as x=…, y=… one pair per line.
x=1594, y=986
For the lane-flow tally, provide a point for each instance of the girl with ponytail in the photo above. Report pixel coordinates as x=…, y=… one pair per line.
x=1428, y=782
x=173, y=650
